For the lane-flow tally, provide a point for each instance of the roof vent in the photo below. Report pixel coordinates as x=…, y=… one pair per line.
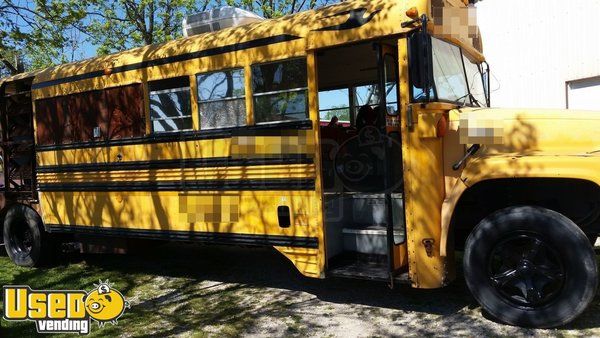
x=217, y=19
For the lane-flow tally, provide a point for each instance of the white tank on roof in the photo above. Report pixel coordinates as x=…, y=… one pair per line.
x=217, y=19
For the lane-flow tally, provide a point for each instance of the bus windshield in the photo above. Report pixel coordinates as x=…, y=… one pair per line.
x=448, y=72
x=456, y=78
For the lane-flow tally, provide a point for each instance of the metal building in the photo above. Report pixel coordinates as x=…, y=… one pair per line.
x=543, y=53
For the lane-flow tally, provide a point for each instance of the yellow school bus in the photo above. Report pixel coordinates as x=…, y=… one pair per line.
x=356, y=139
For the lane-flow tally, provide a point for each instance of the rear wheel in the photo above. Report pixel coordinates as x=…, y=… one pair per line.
x=530, y=266
x=25, y=240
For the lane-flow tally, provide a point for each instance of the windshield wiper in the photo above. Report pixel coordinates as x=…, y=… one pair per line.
x=476, y=101
x=463, y=98
x=469, y=96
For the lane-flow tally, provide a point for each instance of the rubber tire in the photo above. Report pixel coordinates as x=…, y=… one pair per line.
x=559, y=232
x=22, y=215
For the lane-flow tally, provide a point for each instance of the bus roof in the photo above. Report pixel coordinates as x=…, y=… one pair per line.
x=21, y=76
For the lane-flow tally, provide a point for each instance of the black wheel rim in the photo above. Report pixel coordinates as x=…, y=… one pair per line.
x=525, y=270
x=21, y=237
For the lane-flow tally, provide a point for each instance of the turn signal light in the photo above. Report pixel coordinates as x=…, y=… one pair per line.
x=442, y=127
x=413, y=13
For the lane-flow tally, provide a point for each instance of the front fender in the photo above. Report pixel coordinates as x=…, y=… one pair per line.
x=583, y=167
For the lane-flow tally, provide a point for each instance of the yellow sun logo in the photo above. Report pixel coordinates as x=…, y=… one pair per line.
x=105, y=304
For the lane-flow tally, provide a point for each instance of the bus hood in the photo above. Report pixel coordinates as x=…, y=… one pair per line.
x=529, y=131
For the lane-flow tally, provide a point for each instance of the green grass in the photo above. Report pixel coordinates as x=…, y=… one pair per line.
x=161, y=306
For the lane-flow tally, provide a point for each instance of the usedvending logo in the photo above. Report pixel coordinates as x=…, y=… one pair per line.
x=64, y=311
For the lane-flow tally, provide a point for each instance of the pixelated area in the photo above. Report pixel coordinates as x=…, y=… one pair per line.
x=481, y=131
x=209, y=208
x=456, y=19
x=256, y=146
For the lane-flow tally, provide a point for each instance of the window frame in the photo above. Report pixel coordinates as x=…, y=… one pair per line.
x=464, y=74
x=349, y=107
x=90, y=109
x=434, y=97
x=170, y=90
x=242, y=69
x=305, y=89
x=481, y=75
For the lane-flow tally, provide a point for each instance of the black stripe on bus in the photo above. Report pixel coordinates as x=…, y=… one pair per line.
x=211, y=237
x=178, y=164
x=285, y=128
x=172, y=59
x=285, y=184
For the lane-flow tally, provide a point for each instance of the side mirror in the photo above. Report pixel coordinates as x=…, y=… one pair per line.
x=421, y=71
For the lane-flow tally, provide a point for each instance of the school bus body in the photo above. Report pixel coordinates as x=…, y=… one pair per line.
x=107, y=189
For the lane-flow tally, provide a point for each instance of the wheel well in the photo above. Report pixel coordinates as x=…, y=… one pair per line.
x=579, y=200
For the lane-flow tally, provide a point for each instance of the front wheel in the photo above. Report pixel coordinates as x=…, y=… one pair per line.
x=530, y=266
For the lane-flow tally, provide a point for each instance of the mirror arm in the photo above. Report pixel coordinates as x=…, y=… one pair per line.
x=488, y=89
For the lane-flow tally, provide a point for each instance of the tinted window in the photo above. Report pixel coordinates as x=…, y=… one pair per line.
x=113, y=113
x=280, y=91
x=125, y=109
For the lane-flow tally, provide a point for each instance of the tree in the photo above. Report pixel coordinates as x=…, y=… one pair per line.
x=273, y=9
x=41, y=32
x=122, y=24
x=48, y=32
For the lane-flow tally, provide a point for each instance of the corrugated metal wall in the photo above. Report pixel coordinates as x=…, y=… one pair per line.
x=535, y=46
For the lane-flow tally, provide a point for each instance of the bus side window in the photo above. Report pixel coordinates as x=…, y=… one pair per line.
x=125, y=112
x=85, y=112
x=170, y=105
x=280, y=91
x=221, y=98
x=50, y=122
x=112, y=113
